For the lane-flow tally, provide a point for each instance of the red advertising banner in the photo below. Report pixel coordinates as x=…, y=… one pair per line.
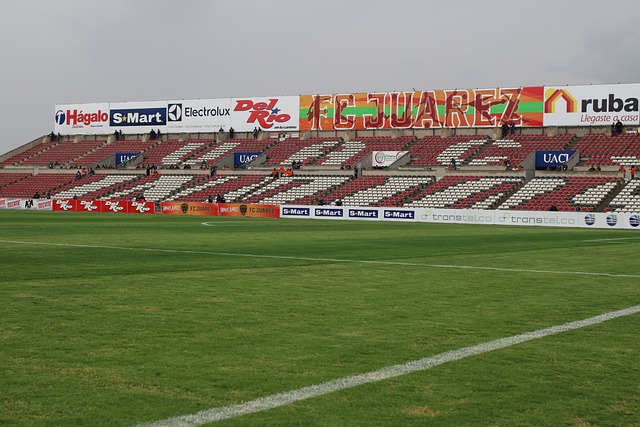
x=65, y=205
x=141, y=207
x=252, y=210
x=458, y=108
x=189, y=208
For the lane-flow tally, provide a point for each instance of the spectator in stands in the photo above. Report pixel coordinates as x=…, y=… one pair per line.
x=598, y=168
x=36, y=196
x=158, y=134
x=59, y=137
x=203, y=164
x=507, y=164
x=209, y=199
x=121, y=135
x=288, y=172
x=152, y=135
x=148, y=170
x=91, y=172
x=232, y=132
x=512, y=128
x=255, y=133
x=592, y=168
x=633, y=171
x=52, y=136
x=214, y=170
x=553, y=208
x=564, y=167
x=50, y=165
x=623, y=171
x=274, y=173
x=220, y=199
x=75, y=197
x=355, y=171
x=338, y=202
x=78, y=174
x=505, y=130
x=454, y=165
x=48, y=196
x=116, y=135
x=281, y=171
x=619, y=128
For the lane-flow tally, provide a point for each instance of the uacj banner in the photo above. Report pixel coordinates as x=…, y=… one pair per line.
x=458, y=108
x=553, y=158
x=189, y=208
x=274, y=114
x=248, y=209
x=597, y=105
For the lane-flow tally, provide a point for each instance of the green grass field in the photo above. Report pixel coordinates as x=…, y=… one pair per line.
x=119, y=320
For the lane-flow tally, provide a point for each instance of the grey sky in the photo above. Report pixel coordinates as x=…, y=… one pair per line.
x=72, y=51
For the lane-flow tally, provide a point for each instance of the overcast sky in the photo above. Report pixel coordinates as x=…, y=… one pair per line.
x=72, y=51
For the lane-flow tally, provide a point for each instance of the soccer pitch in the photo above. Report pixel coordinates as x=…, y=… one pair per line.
x=125, y=320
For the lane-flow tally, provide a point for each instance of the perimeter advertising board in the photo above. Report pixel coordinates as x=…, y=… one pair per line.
x=597, y=105
x=138, y=117
x=458, y=108
x=273, y=114
x=380, y=159
x=83, y=119
x=110, y=206
x=199, y=115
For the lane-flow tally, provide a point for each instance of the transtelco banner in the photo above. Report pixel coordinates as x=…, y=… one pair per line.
x=597, y=105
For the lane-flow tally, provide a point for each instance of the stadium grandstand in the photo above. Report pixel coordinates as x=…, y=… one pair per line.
x=529, y=154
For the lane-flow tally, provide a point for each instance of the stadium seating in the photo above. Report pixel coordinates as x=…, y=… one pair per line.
x=605, y=150
x=434, y=150
x=92, y=187
x=472, y=192
x=107, y=150
x=29, y=153
x=294, y=149
x=63, y=153
x=517, y=148
x=231, y=187
x=628, y=199
x=290, y=189
x=172, y=152
x=378, y=190
x=351, y=152
x=42, y=183
x=10, y=178
x=566, y=193
x=153, y=188
x=226, y=148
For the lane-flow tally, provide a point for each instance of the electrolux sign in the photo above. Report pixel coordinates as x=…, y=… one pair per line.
x=553, y=158
x=202, y=115
x=144, y=117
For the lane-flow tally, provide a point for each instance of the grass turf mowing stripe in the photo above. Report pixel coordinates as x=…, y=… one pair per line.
x=352, y=261
x=282, y=399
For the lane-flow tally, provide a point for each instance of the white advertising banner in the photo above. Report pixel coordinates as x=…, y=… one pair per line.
x=138, y=117
x=593, y=105
x=277, y=113
x=81, y=119
x=468, y=216
x=199, y=115
x=380, y=159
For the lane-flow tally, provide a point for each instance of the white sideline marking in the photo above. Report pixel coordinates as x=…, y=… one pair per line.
x=286, y=398
x=612, y=239
x=346, y=261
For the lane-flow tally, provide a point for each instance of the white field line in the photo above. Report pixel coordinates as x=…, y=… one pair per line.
x=282, y=399
x=346, y=261
x=612, y=239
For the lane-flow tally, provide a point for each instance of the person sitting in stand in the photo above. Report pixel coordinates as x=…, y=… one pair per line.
x=78, y=174
x=288, y=172
x=209, y=199
x=36, y=196
x=219, y=198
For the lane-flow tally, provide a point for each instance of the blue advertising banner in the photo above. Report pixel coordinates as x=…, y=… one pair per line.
x=124, y=157
x=552, y=158
x=240, y=159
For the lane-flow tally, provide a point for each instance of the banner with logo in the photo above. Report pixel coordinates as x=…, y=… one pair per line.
x=240, y=159
x=138, y=117
x=249, y=209
x=189, y=208
x=84, y=119
x=199, y=115
x=125, y=157
x=458, y=108
x=552, y=158
x=273, y=114
x=385, y=158
x=592, y=105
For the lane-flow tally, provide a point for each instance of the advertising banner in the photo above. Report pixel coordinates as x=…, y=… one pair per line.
x=381, y=159
x=248, y=209
x=592, y=105
x=199, y=115
x=141, y=207
x=278, y=113
x=459, y=108
x=91, y=206
x=138, y=117
x=3, y=203
x=189, y=208
x=125, y=157
x=14, y=203
x=65, y=205
x=552, y=158
x=83, y=119
x=240, y=159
